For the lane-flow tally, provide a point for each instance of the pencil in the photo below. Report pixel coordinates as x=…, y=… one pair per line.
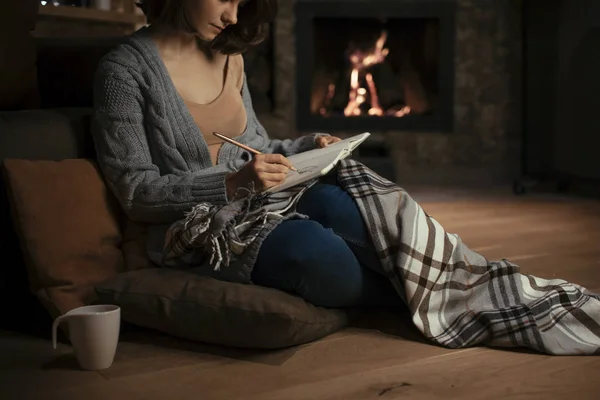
x=243, y=146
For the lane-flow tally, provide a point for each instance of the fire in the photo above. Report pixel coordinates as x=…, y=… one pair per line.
x=363, y=89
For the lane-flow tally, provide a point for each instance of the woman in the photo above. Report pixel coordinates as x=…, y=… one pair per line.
x=159, y=97
x=157, y=106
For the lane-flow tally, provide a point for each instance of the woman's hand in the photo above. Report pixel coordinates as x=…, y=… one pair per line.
x=324, y=141
x=265, y=170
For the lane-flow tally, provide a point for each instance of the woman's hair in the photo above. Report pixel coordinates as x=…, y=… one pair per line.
x=252, y=26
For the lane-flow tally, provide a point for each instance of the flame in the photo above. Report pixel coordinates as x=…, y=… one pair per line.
x=359, y=95
x=363, y=97
x=402, y=112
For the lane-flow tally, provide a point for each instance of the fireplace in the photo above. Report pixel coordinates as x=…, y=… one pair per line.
x=479, y=88
x=374, y=65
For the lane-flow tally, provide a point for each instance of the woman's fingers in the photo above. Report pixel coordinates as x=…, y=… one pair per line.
x=324, y=141
x=275, y=159
x=271, y=168
x=267, y=180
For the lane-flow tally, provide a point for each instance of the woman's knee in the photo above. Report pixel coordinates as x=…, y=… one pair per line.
x=334, y=208
x=304, y=245
x=304, y=257
x=328, y=204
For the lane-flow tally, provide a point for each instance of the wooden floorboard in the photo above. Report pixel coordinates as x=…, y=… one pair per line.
x=381, y=356
x=463, y=374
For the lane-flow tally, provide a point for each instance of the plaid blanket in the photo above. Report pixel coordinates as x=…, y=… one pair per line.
x=457, y=298
x=224, y=234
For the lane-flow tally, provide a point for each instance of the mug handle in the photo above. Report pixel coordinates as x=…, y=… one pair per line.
x=57, y=322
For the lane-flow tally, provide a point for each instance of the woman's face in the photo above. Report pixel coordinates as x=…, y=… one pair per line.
x=211, y=17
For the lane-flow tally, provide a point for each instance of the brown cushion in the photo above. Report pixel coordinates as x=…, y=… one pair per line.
x=133, y=246
x=204, y=309
x=67, y=223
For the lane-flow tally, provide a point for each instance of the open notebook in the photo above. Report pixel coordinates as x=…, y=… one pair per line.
x=318, y=162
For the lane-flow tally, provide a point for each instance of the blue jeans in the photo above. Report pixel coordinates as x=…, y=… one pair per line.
x=328, y=260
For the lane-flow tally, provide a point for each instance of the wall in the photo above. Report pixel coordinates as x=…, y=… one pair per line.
x=578, y=90
x=485, y=143
x=540, y=76
x=47, y=26
x=17, y=54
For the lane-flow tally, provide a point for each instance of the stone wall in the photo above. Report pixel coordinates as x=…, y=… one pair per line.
x=485, y=143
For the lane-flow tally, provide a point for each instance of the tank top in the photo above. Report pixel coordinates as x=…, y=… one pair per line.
x=226, y=114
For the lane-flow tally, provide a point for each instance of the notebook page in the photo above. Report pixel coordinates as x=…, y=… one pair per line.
x=349, y=144
x=314, y=163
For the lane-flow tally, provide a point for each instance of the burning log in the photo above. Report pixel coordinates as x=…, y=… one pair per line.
x=359, y=76
x=369, y=86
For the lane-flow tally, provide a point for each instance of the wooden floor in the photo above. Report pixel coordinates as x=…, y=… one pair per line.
x=379, y=357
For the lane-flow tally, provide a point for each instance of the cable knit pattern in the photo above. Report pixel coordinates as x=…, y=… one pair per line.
x=151, y=152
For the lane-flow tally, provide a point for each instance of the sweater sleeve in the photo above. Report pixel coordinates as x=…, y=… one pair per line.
x=287, y=147
x=125, y=159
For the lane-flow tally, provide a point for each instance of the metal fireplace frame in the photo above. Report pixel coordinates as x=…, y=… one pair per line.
x=306, y=10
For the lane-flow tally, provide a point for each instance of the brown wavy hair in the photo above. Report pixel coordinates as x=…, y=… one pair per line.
x=252, y=26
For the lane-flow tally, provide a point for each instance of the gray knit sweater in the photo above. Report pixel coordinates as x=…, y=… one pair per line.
x=151, y=152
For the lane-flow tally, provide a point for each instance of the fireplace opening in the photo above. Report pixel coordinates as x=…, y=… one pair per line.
x=368, y=67
x=371, y=72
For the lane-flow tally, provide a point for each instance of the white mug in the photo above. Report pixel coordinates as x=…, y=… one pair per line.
x=94, y=334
